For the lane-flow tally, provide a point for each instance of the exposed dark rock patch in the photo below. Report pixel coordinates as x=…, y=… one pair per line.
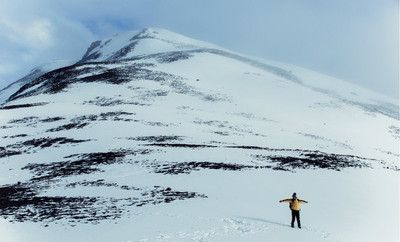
x=22, y=202
x=225, y=128
x=215, y=142
x=186, y=145
x=80, y=164
x=166, y=195
x=33, y=120
x=250, y=147
x=89, y=55
x=112, y=116
x=182, y=145
x=395, y=131
x=156, y=139
x=68, y=127
x=32, y=145
x=154, y=123
x=6, y=127
x=59, y=80
x=213, y=123
x=30, y=119
x=15, y=136
x=121, y=53
x=188, y=167
x=52, y=119
x=83, y=121
x=107, y=102
x=97, y=183
x=165, y=57
x=6, y=152
x=101, y=183
x=47, y=142
x=300, y=159
x=313, y=160
x=222, y=133
x=150, y=95
x=183, y=88
x=106, y=75
x=270, y=68
x=26, y=105
x=393, y=167
x=172, y=56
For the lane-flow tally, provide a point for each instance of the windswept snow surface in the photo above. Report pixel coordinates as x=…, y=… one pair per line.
x=154, y=136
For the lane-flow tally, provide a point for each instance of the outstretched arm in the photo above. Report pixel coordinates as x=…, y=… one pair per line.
x=303, y=201
x=285, y=200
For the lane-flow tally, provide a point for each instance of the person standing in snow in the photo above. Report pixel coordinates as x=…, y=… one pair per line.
x=294, y=204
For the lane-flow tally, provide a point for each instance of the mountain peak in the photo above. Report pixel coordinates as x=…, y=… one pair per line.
x=137, y=43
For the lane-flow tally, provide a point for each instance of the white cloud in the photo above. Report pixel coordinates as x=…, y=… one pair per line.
x=6, y=68
x=32, y=33
x=39, y=32
x=29, y=39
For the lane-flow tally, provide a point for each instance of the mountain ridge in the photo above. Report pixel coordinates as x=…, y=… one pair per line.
x=127, y=41
x=164, y=44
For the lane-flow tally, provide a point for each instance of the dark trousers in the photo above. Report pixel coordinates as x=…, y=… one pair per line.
x=296, y=215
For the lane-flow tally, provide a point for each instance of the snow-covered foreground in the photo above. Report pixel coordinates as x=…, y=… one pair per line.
x=153, y=136
x=353, y=205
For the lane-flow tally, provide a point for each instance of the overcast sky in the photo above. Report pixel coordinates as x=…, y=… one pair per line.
x=355, y=40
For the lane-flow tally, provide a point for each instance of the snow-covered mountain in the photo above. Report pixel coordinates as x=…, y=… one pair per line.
x=138, y=43
x=36, y=72
x=154, y=136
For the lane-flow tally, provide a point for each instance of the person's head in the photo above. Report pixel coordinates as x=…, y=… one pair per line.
x=294, y=195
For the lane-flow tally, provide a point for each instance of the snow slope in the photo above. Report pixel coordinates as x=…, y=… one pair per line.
x=145, y=42
x=153, y=136
x=36, y=72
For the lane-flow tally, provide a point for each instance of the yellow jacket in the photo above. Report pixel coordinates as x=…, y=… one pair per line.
x=294, y=203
